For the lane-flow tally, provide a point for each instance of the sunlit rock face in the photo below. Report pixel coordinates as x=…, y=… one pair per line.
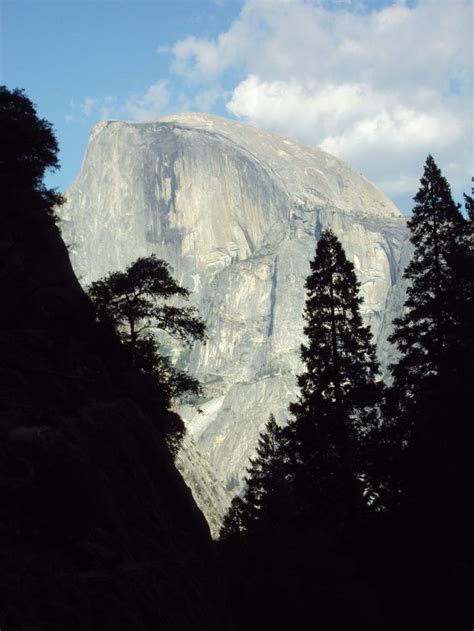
x=237, y=212
x=208, y=492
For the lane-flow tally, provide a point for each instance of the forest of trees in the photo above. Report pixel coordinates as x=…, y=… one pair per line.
x=356, y=513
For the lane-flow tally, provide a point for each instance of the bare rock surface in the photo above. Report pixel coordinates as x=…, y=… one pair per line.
x=237, y=212
x=208, y=492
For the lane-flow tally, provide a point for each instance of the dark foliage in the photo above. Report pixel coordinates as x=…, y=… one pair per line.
x=268, y=494
x=428, y=433
x=434, y=338
x=290, y=576
x=291, y=543
x=336, y=410
x=133, y=305
x=28, y=148
x=378, y=509
x=97, y=528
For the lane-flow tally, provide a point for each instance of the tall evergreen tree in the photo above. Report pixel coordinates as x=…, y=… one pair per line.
x=428, y=423
x=339, y=393
x=434, y=372
x=432, y=309
x=266, y=495
x=233, y=526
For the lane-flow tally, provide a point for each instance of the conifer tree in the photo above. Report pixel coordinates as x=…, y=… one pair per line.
x=432, y=309
x=134, y=303
x=233, y=525
x=433, y=377
x=266, y=491
x=339, y=393
x=266, y=477
x=428, y=424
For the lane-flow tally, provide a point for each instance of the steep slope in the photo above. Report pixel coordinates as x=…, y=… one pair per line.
x=236, y=211
x=97, y=528
x=208, y=492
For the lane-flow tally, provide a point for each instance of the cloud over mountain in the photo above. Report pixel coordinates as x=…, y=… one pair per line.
x=380, y=87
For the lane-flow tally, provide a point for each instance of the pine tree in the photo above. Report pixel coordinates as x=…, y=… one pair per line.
x=233, y=525
x=434, y=336
x=265, y=498
x=133, y=304
x=266, y=479
x=429, y=426
x=423, y=335
x=339, y=393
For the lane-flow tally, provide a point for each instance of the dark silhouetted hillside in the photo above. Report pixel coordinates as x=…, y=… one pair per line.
x=97, y=529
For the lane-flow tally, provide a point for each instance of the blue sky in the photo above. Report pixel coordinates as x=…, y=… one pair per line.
x=66, y=51
x=380, y=84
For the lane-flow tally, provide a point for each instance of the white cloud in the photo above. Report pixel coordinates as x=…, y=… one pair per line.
x=150, y=105
x=140, y=107
x=88, y=106
x=380, y=88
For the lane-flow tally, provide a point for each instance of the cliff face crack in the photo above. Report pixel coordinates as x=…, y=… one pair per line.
x=271, y=319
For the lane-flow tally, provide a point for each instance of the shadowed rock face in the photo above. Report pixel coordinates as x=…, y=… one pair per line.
x=237, y=212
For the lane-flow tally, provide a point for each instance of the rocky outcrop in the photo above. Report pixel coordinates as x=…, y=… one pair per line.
x=208, y=492
x=236, y=211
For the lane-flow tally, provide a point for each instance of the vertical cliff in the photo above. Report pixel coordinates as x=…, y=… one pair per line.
x=237, y=212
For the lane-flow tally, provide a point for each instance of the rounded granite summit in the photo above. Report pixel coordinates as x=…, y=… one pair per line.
x=237, y=212
x=305, y=172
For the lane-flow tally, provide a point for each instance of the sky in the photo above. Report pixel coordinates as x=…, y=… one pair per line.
x=380, y=84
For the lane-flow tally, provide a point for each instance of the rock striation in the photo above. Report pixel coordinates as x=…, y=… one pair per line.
x=208, y=492
x=236, y=211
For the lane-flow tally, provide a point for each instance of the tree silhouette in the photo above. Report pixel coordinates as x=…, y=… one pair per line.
x=233, y=524
x=134, y=304
x=468, y=201
x=434, y=333
x=28, y=148
x=266, y=496
x=339, y=392
x=428, y=427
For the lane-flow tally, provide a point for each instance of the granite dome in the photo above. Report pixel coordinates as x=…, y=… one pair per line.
x=236, y=211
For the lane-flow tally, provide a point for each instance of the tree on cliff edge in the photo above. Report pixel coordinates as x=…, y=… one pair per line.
x=28, y=148
x=134, y=303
